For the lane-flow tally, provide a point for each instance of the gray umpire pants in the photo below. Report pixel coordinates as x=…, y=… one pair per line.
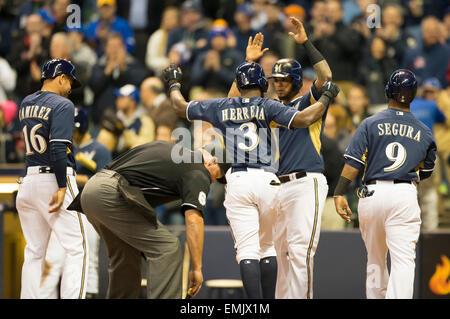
x=128, y=235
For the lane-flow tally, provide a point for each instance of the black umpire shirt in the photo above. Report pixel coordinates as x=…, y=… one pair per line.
x=151, y=168
x=149, y=174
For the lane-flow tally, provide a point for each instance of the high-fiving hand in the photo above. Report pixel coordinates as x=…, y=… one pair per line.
x=254, y=49
x=300, y=34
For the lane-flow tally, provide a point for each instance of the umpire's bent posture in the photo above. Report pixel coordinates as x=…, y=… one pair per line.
x=119, y=202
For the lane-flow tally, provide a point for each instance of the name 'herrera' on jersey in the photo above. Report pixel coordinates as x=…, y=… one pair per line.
x=396, y=129
x=243, y=113
x=34, y=111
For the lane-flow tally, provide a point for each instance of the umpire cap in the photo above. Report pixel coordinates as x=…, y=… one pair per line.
x=81, y=120
x=55, y=67
x=251, y=74
x=288, y=68
x=402, y=86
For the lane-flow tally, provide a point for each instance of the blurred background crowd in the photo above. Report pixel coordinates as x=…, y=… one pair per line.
x=120, y=47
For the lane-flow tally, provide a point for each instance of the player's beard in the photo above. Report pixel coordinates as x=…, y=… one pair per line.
x=286, y=97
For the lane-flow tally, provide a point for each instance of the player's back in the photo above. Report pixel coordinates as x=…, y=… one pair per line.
x=396, y=148
x=45, y=117
x=245, y=123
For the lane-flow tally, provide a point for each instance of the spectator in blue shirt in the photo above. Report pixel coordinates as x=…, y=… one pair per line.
x=97, y=31
x=191, y=32
x=429, y=59
x=425, y=107
x=243, y=29
x=426, y=110
x=216, y=67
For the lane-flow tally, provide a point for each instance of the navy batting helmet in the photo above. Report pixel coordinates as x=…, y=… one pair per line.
x=55, y=67
x=402, y=86
x=288, y=68
x=251, y=74
x=81, y=120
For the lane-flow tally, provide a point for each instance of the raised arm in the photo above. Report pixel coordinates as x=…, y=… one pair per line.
x=172, y=78
x=320, y=65
x=315, y=111
x=253, y=53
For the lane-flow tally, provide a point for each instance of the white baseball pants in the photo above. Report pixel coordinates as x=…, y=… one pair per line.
x=32, y=204
x=251, y=203
x=390, y=220
x=55, y=258
x=297, y=232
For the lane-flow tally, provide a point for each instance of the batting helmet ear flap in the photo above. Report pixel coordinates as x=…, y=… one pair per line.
x=263, y=84
x=388, y=91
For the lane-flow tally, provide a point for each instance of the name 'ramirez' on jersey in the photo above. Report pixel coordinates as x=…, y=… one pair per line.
x=45, y=117
x=392, y=145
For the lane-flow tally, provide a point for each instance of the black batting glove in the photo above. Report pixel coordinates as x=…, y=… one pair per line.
x=172, y=77
x=332, y=88
x=329, y=91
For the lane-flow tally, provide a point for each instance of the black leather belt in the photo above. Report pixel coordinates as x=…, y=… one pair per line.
x=45, y=169
x=396, y=181
x=290, y=177
x=238, y=169
x=49, y=170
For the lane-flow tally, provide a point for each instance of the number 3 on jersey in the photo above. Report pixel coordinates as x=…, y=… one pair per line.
x=396, y=153
x=251, y=134
x=37, y=141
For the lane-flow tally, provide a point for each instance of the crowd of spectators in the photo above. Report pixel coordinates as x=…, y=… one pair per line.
x=122, y=46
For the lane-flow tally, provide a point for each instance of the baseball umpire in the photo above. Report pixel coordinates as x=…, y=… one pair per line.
x=119, y=202
x=47, y=121
x=251, y=198
x=396, y=152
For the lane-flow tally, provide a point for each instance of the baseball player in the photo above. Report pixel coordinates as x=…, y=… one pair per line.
x=47, y=121
x=303, y=186
x=90, y=157
x=396, y=151
x=252, y=187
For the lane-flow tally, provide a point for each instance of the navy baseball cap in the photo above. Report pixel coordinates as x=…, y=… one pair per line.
x=55, y=67
x=218, y=32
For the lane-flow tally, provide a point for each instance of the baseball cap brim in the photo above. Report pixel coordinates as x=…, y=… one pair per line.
x=76, y=84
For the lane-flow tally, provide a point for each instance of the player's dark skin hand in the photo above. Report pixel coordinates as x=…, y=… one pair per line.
x=342, y=208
